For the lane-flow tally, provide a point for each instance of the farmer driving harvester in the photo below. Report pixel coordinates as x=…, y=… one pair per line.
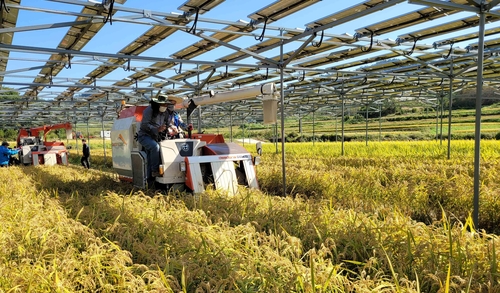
x=157, y=118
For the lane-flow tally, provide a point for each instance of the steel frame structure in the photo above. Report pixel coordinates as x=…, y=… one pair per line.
x=312, y=72
x=323, y=69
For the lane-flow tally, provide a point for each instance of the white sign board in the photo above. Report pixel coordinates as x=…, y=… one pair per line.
x=106, y=134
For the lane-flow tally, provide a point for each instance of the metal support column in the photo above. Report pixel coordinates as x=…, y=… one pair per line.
x=479, y=94
x=102, y=112
x=275, y=130
x=300, y=128
x=88, y=133
x=450, y=91
x=314, y=134
x=441, y=109
x=366, y=123
x=282, y=94
x=76, y=138
x=231, y=123
x=379, y=122
x=336, y=129
x=437, y=120
x=343, y=118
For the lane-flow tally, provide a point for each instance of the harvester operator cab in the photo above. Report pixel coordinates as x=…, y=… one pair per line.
x=30, y=140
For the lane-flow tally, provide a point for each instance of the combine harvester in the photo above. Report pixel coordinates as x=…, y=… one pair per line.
x=197, y=160
x=37, y=151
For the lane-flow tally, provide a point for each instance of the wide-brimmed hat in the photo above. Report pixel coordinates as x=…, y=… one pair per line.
x=167, y=99
x=160, y=99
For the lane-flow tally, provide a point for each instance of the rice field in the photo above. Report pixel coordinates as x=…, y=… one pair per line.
x=384, y=217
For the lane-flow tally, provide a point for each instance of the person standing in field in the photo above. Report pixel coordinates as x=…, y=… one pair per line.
x=5, y=154
x=85, y=155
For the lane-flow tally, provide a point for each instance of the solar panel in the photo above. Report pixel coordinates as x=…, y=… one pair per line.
x=202, y=6
x=407, y=19
x=315, y=73
x=462, y=38
x=280, y=9
x=445, y=28
x=7, y=20
x=144, y=42
x=348, y=14
x=75, y=39
x=270, y=13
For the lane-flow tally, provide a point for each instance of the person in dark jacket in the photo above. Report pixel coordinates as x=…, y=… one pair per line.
x=6, y=153
x=86, y=154
x=152, y=125
x=156, y=120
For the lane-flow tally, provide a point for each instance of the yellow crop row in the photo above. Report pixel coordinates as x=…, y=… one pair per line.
x=389, y=216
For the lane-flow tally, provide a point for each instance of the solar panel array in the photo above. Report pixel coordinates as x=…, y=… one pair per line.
x=316, y=66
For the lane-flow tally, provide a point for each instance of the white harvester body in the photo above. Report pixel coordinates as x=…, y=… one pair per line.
x=194, y=162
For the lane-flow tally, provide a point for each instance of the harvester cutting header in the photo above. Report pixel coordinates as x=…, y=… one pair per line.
x=191, y=161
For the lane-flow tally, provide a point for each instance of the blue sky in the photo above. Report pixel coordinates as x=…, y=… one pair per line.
x=113, y=37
